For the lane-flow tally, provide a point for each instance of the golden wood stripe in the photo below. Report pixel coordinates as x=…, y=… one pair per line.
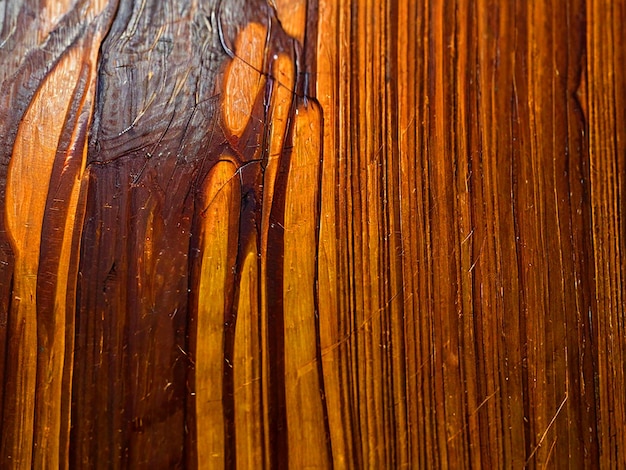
x=216, y=284
x=604, y=94
x=304, y=403
x=247, y=369
x=39, y=358
x=244, y=80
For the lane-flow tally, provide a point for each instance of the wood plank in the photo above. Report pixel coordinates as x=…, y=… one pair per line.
x=312, y=234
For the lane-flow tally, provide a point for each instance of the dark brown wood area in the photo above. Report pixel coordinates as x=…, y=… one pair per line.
x=312, y=234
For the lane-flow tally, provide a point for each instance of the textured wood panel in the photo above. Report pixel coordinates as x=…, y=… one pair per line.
x=312, y=234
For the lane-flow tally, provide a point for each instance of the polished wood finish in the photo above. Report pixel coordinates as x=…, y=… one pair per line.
x=312, y=234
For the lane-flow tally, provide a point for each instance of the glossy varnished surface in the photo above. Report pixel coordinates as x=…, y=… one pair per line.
x=312, y=234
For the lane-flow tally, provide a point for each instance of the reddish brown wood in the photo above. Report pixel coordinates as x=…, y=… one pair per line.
x=294, y=233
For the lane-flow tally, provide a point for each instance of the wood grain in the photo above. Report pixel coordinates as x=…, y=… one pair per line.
x=312, y=234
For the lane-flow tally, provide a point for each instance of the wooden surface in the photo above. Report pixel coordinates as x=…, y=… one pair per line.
x=312, y=234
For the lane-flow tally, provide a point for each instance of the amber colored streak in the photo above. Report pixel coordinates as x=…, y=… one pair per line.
x=364, y=220
x=466, y=258
x=220, y=212
x=53, y=422
x=498, y=299
x=607, y=147
x=445, y=284
x=548, y=353
x=31, y=164
x=394, y=293
x=71, y=252
x=532, y=256
x=305, y=408
x=347, y=199
x=57, y=277
x=282, y=94
x=333, y=342
x=370, y=232
x=247, y=368
x=292, y=17
x=58, y=268
x=409, y=112
x=58, y=265
x=283, y=76
x=244, y=80
x=488, y=310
